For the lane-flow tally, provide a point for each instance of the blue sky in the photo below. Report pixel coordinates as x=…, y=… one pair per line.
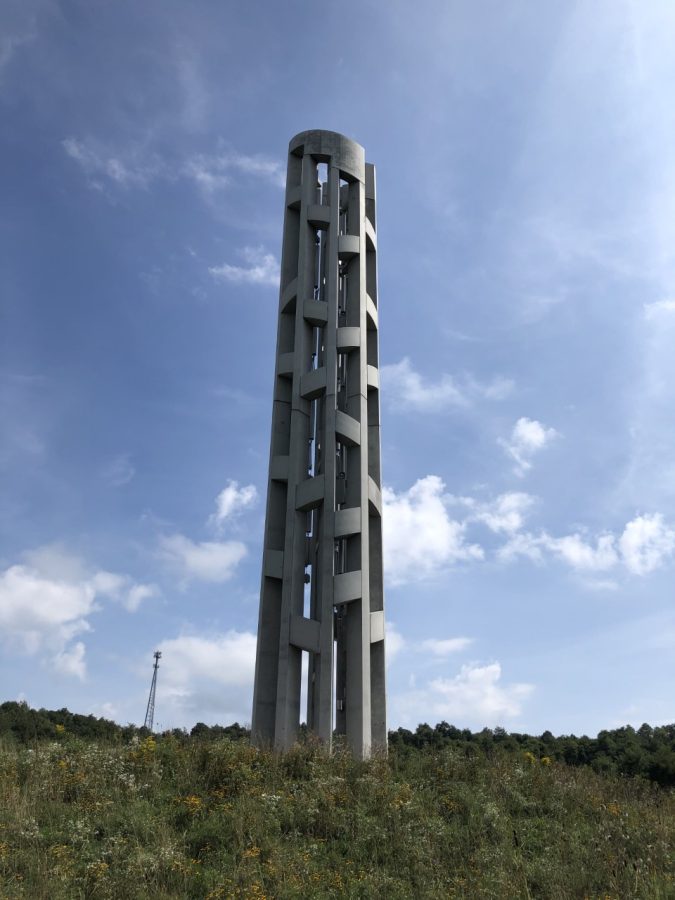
x=526, y=232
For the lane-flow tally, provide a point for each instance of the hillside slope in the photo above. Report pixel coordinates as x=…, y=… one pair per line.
x=175, y=818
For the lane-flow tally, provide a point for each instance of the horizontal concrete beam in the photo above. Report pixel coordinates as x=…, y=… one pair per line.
x=376, y=626
x=273, y=566
x=348, y=245
x=371, y=237
x=348, y=521
x=279, y=468
x=305, y=634
x=348, y=338
x=287, y=303
x=318, y=216
x=293, y=195
x=313, y=383
x=374, y=497
x=347, y=428
x=373, y=378
x=371, y=312
x=347, y=587
x=310, y=493
x=315, y=311
x=286, y=364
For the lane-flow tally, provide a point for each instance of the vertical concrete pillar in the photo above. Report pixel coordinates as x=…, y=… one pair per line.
x=321, y=587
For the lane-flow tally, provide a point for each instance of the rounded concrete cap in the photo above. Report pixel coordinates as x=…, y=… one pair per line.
x=331, y=147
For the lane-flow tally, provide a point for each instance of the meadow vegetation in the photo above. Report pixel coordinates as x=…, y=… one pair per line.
x=208, y=816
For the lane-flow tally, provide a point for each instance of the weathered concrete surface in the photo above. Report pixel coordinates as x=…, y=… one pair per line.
x=321, y=590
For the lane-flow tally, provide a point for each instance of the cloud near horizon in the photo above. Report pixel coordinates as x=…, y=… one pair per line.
x=49, y=599
x=211, y=676
x=475, y=695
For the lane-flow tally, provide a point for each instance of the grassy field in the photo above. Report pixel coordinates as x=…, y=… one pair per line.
x=214, y=819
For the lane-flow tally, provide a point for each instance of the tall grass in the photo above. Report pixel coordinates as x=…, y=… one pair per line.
x=182, y=818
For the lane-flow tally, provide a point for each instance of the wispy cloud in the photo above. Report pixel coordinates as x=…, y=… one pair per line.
x=119, y=470
x=213, y=561
x=660, y=307
x=395, y=642
x=214, y=172
x=232, y=501
x=10, y=42
x=410, y=390
x=528, y=438
x=260, y=268
x=131, y=166
x=442, y=647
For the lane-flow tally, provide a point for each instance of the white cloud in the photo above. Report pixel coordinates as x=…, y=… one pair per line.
x=475, y=696
x=262, y=268
x=652, y=310
x=231, y=501
x=407, y=387
x=122, y=589
x=646, y=543
x=524, y=544
x=207, y=561
x=46, y=602
x=208, y=678
x=119, y=470
x=476, y=692
x=138, y=593
x=420, y=539
x=394, y=641
x=505, y=514
x=528, y=437
x=582, y=555
x=410, y=390
x=71, y=661
x=206, y=176
x=37, y=612
x=443, y=647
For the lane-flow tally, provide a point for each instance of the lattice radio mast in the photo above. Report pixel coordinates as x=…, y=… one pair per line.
x=150, y=711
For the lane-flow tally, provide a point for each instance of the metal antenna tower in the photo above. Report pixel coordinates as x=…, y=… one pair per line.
x=150, y=711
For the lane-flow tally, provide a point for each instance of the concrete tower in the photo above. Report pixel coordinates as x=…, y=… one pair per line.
x=321, y=587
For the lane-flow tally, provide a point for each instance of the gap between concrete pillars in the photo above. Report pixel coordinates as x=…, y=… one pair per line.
x=290, y=657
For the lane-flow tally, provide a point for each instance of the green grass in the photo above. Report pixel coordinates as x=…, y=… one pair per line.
x=189, y=818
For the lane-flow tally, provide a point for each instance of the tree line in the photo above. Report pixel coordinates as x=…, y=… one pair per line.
x=646, y=752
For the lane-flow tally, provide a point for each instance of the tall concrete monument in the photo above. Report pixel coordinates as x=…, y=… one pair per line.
x=321, y=591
